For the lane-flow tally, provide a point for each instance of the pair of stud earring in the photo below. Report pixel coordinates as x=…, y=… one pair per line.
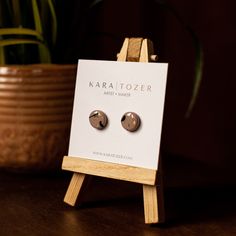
x=130, y=120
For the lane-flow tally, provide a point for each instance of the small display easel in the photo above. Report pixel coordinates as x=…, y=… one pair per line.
x=139, y=50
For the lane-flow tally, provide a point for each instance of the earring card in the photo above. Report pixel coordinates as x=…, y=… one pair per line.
x=116, y=88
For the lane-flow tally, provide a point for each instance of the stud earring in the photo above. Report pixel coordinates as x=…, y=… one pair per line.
x=130, y=121
x=98, y=119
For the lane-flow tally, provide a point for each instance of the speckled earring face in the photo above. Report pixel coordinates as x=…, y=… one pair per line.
x=130, y=121
x=98, y=119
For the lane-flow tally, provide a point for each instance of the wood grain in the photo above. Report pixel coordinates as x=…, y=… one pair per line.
x=146, y=51
x=123, y=52
x=109, y=170
x=134, y=48
x=74, y=188
x=150, y=204
x=32, y=205
x=153, y=198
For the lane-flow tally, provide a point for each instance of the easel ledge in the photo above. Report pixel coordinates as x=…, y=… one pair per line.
x=110, y=170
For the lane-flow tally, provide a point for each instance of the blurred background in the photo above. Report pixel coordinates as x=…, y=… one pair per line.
x=196, y=151
x=199, y=150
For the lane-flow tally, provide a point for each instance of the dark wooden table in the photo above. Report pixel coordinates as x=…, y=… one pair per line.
x=33, y=205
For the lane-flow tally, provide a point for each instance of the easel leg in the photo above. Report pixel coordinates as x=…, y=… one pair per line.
x=153, y=204
x=74, y=188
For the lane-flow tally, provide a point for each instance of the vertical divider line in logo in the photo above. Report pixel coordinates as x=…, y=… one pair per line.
x=116, y=86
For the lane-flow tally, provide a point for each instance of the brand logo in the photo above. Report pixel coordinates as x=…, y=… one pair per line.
x=119, y=86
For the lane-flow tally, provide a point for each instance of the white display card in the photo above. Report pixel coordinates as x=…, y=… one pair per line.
x=116, y=88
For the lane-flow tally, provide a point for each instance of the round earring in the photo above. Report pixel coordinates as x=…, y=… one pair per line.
x=98, y=119
x=130, y=121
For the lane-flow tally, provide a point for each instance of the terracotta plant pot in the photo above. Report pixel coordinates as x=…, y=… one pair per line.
x=35, y=115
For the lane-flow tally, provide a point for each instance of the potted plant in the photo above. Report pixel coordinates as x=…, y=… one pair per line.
x=36, y=97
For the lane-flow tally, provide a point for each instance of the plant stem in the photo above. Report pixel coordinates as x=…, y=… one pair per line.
x=2, y=56
x=54, y=21
x=16, y=13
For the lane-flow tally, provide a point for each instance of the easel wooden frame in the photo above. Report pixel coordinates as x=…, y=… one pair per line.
x=140, y=50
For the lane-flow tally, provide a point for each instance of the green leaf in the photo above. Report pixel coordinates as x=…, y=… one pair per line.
x=198, y=56
x=2, y=56
x=54, y=21
x=94, y=3
x=38, y=26
x=198, y=76
x=43, y=49
x=37, y=19
x=16, y=12
x=20, y=31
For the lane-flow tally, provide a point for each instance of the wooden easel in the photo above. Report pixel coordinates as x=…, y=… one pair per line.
x=139, y=50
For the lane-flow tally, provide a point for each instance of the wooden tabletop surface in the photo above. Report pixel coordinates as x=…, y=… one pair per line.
x=33, y=205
